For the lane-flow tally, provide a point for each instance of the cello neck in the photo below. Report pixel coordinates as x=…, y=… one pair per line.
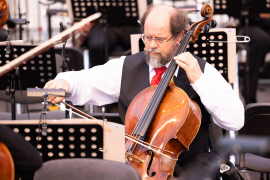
x=173, y=66
x=157, y=97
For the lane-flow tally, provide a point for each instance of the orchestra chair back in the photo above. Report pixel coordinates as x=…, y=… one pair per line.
x=257, y=123
x=74, y=58
x=85, y=168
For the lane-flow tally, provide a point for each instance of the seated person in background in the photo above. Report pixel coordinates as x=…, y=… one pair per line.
x=26, y=157
x=102, y=39
x=259, y=45
x=99, y=39
x=120, y=80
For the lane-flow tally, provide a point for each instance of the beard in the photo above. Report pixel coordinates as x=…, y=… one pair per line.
x=157, y=60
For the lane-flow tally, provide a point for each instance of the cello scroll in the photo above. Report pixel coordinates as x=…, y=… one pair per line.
x=204, y=25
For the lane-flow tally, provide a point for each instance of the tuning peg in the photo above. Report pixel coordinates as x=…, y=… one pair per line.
x=212, y=23
x=191, y=22
x=206, y=28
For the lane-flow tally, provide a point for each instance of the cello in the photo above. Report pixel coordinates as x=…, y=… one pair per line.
x=7, y=171
x=162, y=121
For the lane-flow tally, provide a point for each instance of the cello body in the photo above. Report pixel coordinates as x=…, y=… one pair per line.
x=6, y=163
x=176, y=124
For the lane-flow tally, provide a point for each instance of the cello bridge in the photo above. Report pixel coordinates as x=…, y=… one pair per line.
x=130, y=157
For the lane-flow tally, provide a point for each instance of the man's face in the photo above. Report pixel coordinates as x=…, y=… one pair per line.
x=159, y=54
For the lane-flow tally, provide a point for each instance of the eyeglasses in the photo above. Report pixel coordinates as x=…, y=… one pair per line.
x=148, y=39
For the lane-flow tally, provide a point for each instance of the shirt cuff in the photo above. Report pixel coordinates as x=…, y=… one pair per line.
x=67, y=76
x=201, y=86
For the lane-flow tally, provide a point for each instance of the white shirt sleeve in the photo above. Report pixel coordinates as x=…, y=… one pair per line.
x=101, y=85
x=97, y=86
x=219, y=99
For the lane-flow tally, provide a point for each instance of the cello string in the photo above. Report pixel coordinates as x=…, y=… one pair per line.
x=165, y=80
x=154, y=149
x=164, y=85
x=167, y=77
x=172, y=67
x=135, y=139
x=161, y=87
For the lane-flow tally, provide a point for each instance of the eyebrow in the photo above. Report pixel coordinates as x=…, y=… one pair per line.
x=156, y=37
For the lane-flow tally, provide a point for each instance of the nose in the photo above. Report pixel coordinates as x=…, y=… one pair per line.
x=153, y=44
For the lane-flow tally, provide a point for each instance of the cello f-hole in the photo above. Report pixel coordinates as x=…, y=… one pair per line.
x=150, y=163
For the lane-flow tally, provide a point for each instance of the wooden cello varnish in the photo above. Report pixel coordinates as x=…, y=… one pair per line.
x=6, y=163
x=177, y=116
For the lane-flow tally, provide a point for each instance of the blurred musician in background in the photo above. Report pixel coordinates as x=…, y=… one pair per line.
x=259, y=45
x=103, y=38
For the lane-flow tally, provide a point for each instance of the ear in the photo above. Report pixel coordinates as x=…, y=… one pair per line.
x=179, y=37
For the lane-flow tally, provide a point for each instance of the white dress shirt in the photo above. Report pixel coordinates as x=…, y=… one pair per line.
x=100, y=85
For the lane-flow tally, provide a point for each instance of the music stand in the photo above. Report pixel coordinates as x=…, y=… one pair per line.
x=231, y=7
x=126, y=12
x=185, y=5
x=214, y=53
x=64, y=140
x=70, y=138
x=34, y=73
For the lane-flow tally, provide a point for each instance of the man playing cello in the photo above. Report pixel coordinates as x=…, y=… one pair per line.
x=120, y=80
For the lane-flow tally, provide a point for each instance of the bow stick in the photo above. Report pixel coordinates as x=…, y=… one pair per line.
x=87, y=116
x=63, y=36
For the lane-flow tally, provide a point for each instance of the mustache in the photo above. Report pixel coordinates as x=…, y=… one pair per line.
x=153, y=50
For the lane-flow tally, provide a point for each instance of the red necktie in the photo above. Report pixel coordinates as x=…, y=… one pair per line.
x=156, y=79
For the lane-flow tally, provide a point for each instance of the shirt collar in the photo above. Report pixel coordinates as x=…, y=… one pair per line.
x=151, y=68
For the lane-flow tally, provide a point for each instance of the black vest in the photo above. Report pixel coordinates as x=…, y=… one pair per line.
x=135, y=78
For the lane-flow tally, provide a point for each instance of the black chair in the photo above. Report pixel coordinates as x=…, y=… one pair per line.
x=74, y=57
x=85, y=168
x=257, y=123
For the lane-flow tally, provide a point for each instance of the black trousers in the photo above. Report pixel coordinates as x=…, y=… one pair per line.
x=202, y=166
x=102, y=40
x=26, y=157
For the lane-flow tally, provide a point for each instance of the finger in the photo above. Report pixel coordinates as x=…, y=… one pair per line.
x=50, y=99
x=48, y=84
x=88, y=24
x=188, y=59
x=182, y=59
x=54, y=85
x=181, y=64
x=188, y=56
x=191, y=58
x=62, y=86
x=57, y=100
